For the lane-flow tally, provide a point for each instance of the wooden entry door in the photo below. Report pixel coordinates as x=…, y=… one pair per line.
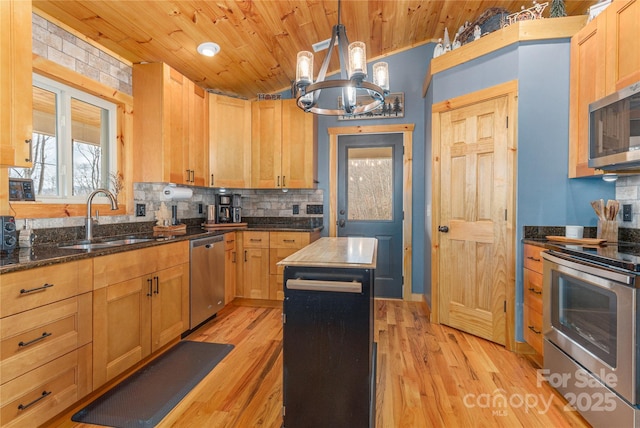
x=473, y=208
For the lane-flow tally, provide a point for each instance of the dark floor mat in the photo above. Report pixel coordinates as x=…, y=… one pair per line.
x=143, y=399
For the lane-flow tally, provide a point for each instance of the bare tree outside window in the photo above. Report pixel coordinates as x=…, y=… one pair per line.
x=370, y=186
x=87, y=160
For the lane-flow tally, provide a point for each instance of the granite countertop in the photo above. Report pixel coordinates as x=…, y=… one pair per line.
x=336, y=253
x=49, y=253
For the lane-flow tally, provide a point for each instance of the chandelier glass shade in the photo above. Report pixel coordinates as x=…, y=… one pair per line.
x=351, y=85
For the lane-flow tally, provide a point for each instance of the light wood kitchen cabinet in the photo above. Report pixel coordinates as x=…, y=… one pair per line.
x=170, y=126
x=40, y=394
x=622, y=44
x=587, y=85
x=229, y=142
x=284, y=146
x=45, y=341
x=16, y=91
x=605, y=57
x=282, y=245
x=33, y=288
x=532, y=275
x=138, y=307
x=254, y=277
x=230, y=266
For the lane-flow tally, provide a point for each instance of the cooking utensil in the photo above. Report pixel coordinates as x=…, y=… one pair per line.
x=597, y=207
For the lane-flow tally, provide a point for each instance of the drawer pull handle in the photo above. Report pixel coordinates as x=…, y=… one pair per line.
x=150, y=284
x=290, y=240
x=37, y=339
x=532, y=328
x=25, y=406
x=32, y=290
x=533, y=258
x=157, y=281
x=534, y=291
x=255, y=239
x=231, y=241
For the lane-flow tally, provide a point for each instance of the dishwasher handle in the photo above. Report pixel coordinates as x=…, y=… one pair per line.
x=315, y=285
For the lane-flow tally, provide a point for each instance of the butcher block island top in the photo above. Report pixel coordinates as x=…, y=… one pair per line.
x=336, y=253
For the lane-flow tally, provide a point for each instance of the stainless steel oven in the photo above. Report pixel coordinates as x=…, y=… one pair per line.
x=590, y=332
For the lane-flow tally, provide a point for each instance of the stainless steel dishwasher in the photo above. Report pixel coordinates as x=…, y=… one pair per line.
x=207, y=278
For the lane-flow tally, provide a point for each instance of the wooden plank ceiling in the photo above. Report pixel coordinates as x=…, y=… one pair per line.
x=259, y=39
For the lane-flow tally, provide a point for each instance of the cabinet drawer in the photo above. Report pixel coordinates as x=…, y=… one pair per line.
x=24, y=290
x=120, y=267
x=30, y=339
x=173, y=254
x=533, y=328
x=295, y=240
x=533, y=289
x=37, y=396
x=533, y=258
x=255, y=239
x=230, y=241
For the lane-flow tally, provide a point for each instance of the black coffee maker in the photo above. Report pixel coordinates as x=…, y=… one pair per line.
x=224, y=212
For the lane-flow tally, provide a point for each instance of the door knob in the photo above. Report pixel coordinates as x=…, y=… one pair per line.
x=443, y=229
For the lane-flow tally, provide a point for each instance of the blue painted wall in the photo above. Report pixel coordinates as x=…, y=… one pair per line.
x=545, y=196
x=407, y=71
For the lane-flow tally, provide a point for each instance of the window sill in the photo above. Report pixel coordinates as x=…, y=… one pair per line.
x=39, y=209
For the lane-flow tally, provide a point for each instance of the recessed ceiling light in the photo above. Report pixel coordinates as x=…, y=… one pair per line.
x=208, y=48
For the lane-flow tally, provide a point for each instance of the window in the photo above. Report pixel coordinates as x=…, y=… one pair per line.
x=74, y=147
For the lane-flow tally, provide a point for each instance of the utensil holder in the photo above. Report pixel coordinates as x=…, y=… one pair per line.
x=608, y=230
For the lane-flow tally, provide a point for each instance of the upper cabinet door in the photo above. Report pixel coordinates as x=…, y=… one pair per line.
x=622, y=44
x=16, y=91
x=229, y=142
x=198, y=135
x=587, y=85
x=266, y=144
x=284, y=146
x=299, y=147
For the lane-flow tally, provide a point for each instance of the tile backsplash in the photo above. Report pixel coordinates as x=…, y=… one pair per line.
x=628, y=192
x=255, y=203
x=58, y=45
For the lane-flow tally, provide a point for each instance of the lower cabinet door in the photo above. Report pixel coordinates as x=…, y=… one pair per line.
x=256, y=273
x=121, y=319
x=37, y=396
x=170, y=305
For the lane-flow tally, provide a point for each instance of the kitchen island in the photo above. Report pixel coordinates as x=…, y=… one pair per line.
x=329, y=356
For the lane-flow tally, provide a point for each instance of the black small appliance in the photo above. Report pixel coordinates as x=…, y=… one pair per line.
x=223, y=209
x=9, y=234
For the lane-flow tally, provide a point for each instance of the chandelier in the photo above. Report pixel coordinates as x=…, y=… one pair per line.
x=352, y=82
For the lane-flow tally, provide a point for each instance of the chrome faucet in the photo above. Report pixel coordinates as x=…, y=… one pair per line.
x=89, y=221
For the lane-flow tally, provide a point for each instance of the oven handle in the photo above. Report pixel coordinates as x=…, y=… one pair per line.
x=590, y=269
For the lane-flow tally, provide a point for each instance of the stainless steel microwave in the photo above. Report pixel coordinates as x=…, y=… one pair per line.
x=614, y=130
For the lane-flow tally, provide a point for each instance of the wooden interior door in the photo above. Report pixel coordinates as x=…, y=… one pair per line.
x=472, y=232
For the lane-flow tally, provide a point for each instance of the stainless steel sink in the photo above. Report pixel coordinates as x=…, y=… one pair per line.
x=105, y=243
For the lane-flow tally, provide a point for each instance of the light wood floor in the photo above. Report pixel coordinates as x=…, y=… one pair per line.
x=428, y=376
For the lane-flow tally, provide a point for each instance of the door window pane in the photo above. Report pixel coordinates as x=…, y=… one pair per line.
x=370, y=186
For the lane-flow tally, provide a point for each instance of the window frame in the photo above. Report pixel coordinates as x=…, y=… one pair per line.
x=64, y=94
